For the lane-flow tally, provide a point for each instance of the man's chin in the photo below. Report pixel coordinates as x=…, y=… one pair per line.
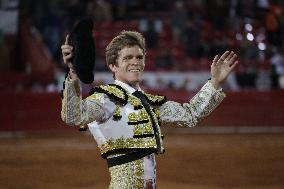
x=134, y=82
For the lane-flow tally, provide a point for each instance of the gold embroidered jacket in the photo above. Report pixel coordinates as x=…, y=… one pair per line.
x=119, y=122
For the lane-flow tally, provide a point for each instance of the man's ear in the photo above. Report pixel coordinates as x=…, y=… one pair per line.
x=112, y=67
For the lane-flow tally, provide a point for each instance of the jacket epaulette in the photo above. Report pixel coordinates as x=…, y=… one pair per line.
x=114, y=92
x=155, y=100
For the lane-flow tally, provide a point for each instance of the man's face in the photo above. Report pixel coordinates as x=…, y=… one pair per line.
x=130, y=65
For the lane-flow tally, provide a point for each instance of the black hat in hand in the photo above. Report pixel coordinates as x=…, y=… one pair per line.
x=83, y=60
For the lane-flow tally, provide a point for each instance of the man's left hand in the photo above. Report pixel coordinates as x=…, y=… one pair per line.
x=222, y=67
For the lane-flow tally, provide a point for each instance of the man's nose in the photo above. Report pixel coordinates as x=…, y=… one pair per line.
x=135, y=61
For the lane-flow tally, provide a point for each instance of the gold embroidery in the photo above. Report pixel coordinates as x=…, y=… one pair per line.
x=157, y=113
x=97, y=96
x=137, y=130
x=145, y=128
x=142, y=115
x=113, y=90
x=123, y=143
x=83, y=128
x=156, y=99
x=134, y=101
x=127, y=175
x=117, y=113
x=138, y=118
x=132, y=117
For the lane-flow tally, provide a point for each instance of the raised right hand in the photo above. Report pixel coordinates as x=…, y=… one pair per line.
x=67, y=53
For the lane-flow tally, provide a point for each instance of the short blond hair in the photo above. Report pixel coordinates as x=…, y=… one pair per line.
x=124, y=39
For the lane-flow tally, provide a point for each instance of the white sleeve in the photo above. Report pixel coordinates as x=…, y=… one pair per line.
x=76, y=111
x=189, y=114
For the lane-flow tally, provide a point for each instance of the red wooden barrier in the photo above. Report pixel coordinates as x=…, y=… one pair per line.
x=39, y=112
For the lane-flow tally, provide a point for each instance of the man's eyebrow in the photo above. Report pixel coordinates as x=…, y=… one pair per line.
x=128, y=55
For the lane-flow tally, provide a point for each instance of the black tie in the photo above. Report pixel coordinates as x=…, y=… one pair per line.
x=147, y=107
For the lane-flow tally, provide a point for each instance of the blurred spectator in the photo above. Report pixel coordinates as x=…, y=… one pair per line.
x=52, y=87
x=247, y=75
x=262, y=6
x=188, y=85
x=219, y=44
x=192, y=40
x=146, y=23
x=162, y=5
x=1, y=37
x=151, y=29
x=160, y=84
x=164, y=60
x=178, y=19
x=75, y=10
x=251, y=51
x=51, y=31
x=37, y=87
x=272, y=26
x=218, y=12
x=263, y=82
x=277, y=72
x=233, y=7
x=119, y=9
x=281, y=25
x=99, y=10
x=245, y=8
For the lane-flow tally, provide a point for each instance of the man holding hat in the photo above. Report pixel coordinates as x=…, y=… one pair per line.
x=124, y=120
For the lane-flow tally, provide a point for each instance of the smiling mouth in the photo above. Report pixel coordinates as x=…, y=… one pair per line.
x=134, y=70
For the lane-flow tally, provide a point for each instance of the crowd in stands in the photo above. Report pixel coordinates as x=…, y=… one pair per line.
x=181, y=35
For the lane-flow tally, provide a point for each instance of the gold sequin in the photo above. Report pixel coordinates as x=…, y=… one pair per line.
x=157, y=112
x=139, y=117
x=97, y=96
x=113, y=90
x=117, y=113
x=142, y=115
x=132, y=117
x=145, y=128
x=122, y=143
x=128, y=175
x=155, y=99
x=134, y=101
